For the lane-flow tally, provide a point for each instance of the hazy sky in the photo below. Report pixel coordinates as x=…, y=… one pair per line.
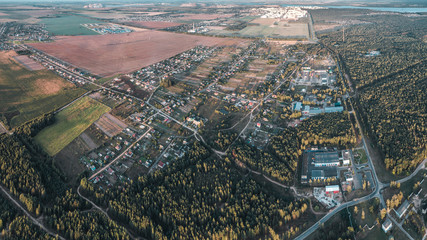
x=424, y=2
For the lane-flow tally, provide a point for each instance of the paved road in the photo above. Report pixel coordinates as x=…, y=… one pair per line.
x=34, y=220
x=375, y=193
x=419, y=168
x=399, y=225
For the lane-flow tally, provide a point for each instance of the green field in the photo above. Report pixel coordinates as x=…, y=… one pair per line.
x=26, y=94
x=68, y=25
x=70, y=123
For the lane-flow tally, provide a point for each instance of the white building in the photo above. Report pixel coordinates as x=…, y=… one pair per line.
x=387, y=225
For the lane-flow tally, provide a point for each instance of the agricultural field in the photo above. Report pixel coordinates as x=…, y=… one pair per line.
x=68, y=159
x=154, y=25
x=29, y=63
x=108, y=55
x=266, y=28
x=68, y=25
x=26, y=94
x=70, y=123
x=110, y=125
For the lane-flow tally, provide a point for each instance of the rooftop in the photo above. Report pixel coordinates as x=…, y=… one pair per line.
x=326, y=157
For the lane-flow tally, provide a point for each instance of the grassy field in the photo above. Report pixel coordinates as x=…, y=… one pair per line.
x=68, y=25
x=26, y=94
x=70, y=123
x=361, y=156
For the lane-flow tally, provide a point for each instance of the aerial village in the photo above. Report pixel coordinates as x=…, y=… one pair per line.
x=253, y=89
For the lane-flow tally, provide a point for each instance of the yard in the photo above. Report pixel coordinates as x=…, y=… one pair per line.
x=26, y=94
x=70, y=123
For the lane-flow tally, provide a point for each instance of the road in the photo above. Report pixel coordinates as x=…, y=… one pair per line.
x=378, y=185
x=3, y=129
x=34, y=220
x=419, y=168
x=399, y=225
x=120, y=156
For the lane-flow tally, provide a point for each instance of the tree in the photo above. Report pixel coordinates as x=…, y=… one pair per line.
x=355, y=210
x=363, y=214
x=383, y=213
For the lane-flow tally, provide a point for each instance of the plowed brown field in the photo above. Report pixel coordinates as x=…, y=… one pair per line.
x=107, y=55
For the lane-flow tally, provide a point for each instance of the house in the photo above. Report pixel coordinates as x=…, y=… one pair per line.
x=348, y=177
x=110, y=171
x=161, y=164
x=387, y=225
x=306, y=110
x=332, y=189
x=297, y=106
x=96, y=180
x=345, y=157
x=402, y=209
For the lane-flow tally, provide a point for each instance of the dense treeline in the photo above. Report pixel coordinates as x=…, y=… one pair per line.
x=7, y=213
x=391, y=84
x=198, y=197
x=18, y=174
x=280, y=159
x=71, y=217
x=396, y=111
x=281, y=163
x=329, y=129
x=16, y=226
x=399, y=40
x=22, y=229
x=28, y=173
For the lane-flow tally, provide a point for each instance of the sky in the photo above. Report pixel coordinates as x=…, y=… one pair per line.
x=344, y=2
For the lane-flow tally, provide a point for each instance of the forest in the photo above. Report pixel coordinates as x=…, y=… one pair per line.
x=14, y=225
x=280, y=159
x=202, y=197
x=29, y=175
x=391, y=84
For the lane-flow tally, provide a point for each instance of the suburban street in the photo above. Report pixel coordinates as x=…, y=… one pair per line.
x=120, y=156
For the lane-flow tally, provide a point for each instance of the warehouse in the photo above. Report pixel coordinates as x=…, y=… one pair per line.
x=326, y=159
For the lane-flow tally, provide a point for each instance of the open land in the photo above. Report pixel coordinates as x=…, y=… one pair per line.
x=108, y=55
x=268, y=28
x=26, y=94
x=28, y=63
x=70, y=123
x=68, y=159
x=110, y=125
x=202, y=16
x=154, y=24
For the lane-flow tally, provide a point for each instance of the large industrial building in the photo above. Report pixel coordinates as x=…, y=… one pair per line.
x=326, y=159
